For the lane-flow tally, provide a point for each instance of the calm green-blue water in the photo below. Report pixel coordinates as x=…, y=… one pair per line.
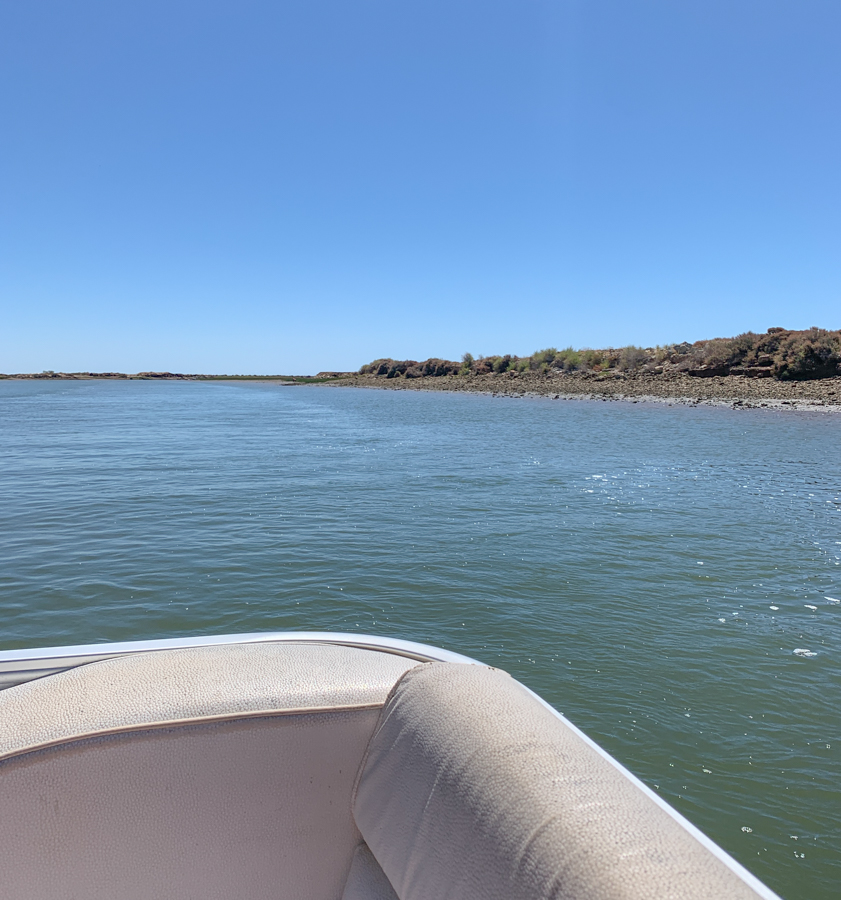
x=650, y=570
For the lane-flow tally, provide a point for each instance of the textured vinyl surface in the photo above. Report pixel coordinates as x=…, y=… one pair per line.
x=168, y=685
x=366, y=880
x=472, y=790
x=257, y=809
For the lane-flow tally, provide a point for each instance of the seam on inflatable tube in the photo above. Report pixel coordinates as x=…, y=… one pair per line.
x=391, y=693
x=374, y=733
x=183, y=723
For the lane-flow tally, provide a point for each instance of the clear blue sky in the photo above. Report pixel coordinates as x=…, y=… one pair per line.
x=293, y=186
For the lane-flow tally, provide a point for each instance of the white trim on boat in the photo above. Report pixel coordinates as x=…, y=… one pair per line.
x=18, y=666
x=699, y=835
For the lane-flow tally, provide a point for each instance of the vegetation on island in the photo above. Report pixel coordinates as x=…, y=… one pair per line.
x=779, y=353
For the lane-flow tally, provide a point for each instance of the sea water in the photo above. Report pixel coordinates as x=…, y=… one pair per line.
x=668, y=577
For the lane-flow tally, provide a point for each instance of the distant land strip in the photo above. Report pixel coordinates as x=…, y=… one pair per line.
x=167, y=376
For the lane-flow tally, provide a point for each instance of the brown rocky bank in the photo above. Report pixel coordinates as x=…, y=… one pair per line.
x=738, y=392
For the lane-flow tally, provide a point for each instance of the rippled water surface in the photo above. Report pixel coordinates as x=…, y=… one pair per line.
x=663, y=575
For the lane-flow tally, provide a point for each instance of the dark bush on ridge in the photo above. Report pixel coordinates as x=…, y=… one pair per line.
x=439, y=367
x=815, y=353
x=393, y=368
x=377, y=367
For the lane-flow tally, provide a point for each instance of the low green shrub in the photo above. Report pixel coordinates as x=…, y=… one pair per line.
x=631, y=358
x=568, y=359
x=541, y=360
x=594, y=360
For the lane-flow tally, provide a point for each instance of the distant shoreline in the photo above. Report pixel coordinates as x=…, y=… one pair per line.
x=734, y=391
x=737, y=392
x=161, y=376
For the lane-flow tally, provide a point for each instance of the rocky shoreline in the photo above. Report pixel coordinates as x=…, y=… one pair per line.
x=735, y=391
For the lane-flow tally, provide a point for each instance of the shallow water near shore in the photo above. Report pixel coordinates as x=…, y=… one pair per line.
x=668, y=577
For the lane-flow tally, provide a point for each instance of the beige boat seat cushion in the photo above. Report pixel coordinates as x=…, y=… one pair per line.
x=219, y=773
x=472, y=790
x=193, y=683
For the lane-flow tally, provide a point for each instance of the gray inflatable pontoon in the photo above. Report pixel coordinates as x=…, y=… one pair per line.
x=319, y=767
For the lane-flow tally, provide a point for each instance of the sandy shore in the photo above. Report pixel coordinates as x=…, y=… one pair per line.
x=734, y=391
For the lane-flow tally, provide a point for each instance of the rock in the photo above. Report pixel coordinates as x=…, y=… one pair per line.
x=708, y=371
x=753, y=371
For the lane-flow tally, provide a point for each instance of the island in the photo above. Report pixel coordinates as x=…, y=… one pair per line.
x=780, y=368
